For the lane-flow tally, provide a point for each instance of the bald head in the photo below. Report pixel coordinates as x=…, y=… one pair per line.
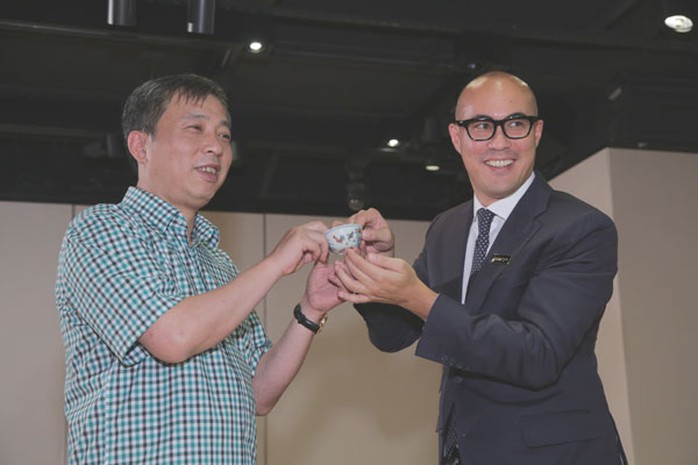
x=496, y=85
x=497, y=166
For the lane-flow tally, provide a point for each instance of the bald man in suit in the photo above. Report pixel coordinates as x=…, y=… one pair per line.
x=516, y=333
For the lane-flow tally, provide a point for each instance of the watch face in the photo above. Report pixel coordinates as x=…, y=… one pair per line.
x=322, y=323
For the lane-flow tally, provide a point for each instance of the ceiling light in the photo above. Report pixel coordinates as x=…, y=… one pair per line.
x=393, y=143
x=121, y=12
x=432, y=166
x=256, y=46
x=678, y=13
x=679, y=23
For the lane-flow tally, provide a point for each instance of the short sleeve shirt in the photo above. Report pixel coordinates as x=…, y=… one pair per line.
x=121, y=267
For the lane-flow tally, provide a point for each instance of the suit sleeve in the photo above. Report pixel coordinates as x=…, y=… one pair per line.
x=390, y=327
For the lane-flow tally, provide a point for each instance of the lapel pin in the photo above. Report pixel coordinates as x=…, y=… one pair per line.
x=499, y=259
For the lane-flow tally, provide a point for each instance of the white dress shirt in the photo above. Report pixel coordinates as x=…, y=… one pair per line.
x=502, y=209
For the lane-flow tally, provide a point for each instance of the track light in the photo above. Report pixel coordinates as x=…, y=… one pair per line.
x=121, y=12
x=201, y=16
x=357, y=192
x=356, y=195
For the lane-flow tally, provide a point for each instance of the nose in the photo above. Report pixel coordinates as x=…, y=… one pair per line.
x=499, y=140
x=214, y=145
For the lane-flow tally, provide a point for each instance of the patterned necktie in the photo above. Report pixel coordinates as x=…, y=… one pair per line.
x=484, y=220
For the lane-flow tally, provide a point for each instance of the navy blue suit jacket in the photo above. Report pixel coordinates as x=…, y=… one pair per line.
x=519, y=369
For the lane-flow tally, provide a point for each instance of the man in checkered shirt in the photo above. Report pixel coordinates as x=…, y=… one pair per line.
x=166, y=359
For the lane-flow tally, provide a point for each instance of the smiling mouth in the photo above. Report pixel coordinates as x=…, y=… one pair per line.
x=208, y=169
x=499, y=163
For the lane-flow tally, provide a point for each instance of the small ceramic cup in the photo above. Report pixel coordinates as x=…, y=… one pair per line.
x=343, y=237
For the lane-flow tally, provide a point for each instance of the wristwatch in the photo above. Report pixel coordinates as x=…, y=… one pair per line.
x=305, y=322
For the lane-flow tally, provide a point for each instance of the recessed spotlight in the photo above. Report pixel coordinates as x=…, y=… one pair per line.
x=393, y=143
x=255, y=46
x=431, y=166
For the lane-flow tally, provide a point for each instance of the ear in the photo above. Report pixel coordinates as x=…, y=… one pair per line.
x=455, y=136
x=538, y=131
x=137, y=145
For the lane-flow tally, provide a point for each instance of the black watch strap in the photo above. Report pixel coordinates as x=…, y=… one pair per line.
x=305, y=322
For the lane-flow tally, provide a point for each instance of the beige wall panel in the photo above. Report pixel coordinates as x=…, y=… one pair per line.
x=350, y=403
x=590, y=181
x=242, y=238
x=655, y=208
x=353, y=404
x=32, y=424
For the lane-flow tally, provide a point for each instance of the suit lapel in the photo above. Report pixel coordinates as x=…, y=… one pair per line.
x=519, y=228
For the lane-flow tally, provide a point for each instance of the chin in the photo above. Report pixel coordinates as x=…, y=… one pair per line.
x=202, y=200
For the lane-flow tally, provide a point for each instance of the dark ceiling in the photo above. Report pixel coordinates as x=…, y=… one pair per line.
x=312, y=113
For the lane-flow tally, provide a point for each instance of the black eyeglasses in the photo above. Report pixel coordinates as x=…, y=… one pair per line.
x=516, y=126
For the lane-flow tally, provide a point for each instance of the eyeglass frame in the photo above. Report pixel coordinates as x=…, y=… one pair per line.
x=463, y=123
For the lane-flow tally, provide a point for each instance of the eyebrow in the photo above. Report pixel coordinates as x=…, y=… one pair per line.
x=200, y=116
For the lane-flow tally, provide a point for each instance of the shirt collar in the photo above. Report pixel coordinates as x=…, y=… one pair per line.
x=165, y=217
x=503, y=207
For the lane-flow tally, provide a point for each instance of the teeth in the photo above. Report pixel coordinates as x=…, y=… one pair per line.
x=207, y=169
x=499, y=163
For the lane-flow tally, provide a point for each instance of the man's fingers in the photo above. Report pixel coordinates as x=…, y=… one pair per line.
x=348, y=281
x=373, y=265
x=385, y=262
x=353, y=298
x=360, y=268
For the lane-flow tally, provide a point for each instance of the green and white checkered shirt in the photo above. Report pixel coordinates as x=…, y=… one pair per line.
x=121, y=267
